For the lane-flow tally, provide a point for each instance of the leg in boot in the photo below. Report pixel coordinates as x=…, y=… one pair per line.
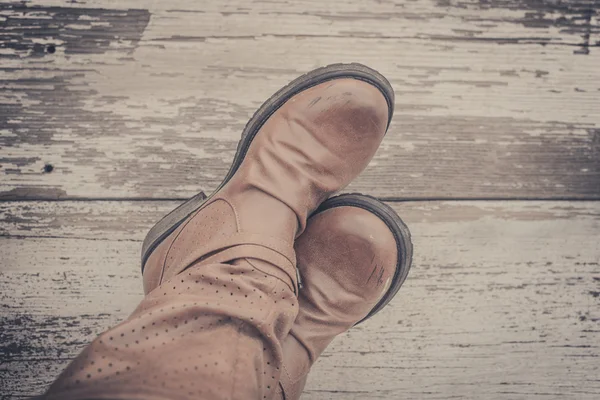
x=353, y=257
x=226, y=264
x=211, y=332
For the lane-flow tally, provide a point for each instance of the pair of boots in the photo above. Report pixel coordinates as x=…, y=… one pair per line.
x=246, y=288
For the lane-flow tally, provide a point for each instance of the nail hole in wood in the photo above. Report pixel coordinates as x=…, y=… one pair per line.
x=48, y=168
x=51, y=49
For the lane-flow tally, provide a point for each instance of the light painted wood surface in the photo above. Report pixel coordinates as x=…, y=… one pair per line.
x=493, y=100
x=502, y=302
x=146, y=100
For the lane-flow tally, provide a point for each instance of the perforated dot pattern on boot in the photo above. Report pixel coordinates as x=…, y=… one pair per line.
x=193, y=336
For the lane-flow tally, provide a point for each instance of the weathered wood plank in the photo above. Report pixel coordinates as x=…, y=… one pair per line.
x=568, y=22
x=492, y=101
x=130, y=220
x=502, y=302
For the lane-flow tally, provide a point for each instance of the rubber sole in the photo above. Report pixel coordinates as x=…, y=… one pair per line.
x=397, y=227
x=335, y=71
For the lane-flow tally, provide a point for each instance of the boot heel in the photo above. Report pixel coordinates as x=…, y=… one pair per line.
x=168, y=224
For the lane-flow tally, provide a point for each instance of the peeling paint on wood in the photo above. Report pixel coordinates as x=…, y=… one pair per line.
x=494, y=99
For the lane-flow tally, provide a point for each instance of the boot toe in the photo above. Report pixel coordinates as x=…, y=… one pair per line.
x=355, y=106
x=353, y=248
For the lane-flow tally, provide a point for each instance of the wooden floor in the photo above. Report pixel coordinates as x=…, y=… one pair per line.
x=110, y=117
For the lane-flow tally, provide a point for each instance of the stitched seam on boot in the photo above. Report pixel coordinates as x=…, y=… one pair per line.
x=237, y=359
x=276, y=283
x=271, y=275
x=238, y=224
x=260, y=326
x=185, y=224
x=289, y=379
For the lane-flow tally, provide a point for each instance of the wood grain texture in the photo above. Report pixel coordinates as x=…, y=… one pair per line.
x=494, y=99
x=141, y=100
x=502, y=302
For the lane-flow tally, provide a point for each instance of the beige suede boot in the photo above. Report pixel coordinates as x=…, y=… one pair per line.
x=353, y=257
